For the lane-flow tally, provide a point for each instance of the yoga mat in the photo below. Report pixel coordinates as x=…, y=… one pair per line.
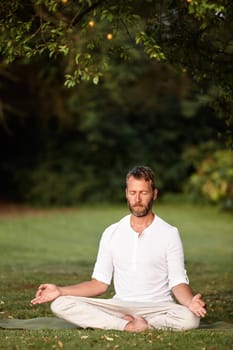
x=36, y=323
x=58, y=323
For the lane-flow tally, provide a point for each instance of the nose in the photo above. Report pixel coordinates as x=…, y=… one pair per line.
x=138, y=198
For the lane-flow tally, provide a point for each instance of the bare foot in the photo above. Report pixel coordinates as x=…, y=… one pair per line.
x=138, y=324
x=128, y=318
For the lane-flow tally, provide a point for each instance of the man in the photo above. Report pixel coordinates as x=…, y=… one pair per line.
x=145, y=256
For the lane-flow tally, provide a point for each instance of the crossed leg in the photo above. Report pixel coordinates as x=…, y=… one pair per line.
x=127, y=316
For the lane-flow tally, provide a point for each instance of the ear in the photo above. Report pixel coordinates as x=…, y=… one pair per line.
x=155, y=195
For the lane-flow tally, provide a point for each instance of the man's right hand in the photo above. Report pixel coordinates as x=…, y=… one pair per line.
x=45, y=293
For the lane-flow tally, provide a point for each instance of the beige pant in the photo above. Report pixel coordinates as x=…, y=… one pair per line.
x=108, y=313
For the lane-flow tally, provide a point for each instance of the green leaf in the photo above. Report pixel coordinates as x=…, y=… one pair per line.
x=96, y=79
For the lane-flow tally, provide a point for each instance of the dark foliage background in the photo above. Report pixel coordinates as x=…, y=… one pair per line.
x=64, y=147
x=90, y=88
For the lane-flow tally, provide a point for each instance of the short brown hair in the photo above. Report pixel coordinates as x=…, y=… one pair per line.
x=142, y=172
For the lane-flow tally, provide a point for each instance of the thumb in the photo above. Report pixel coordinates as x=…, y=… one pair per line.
x=197, y=296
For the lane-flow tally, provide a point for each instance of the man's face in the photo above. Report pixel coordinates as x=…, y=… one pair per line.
x=140, y=196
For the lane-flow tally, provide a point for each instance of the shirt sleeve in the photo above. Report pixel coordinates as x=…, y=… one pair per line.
x=103, y=268
x=175, y=260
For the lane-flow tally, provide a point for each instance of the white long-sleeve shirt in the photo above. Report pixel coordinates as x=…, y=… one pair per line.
x=145, y=267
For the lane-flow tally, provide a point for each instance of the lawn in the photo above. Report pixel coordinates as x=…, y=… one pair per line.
x=61, y=246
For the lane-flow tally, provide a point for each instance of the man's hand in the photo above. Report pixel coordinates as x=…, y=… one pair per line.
x=184, y=295
x=197, y=306
x=46, y=292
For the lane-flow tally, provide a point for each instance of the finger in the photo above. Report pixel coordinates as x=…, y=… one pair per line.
x=38, y=293
x=38, y=300
x=202, y=312
x=197, y=299
x=197, y=296
x=201, y=303
x=35, y=301
x=41, y=288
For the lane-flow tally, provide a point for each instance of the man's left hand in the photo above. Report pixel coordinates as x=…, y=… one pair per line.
x=197, y=306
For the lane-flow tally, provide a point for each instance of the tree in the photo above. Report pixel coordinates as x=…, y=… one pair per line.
x=192, y=35
x=129, y=119
x=87, y=32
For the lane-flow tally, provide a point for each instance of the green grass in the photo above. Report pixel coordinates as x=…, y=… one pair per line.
x=61, y=247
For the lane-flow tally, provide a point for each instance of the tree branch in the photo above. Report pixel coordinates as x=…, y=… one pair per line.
x=77, y=18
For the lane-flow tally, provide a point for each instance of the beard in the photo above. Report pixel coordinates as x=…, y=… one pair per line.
x=140, y=210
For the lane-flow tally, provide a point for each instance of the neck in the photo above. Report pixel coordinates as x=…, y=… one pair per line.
x=139, y=224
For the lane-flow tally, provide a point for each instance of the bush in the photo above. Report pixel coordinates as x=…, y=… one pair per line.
x=213, y=176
